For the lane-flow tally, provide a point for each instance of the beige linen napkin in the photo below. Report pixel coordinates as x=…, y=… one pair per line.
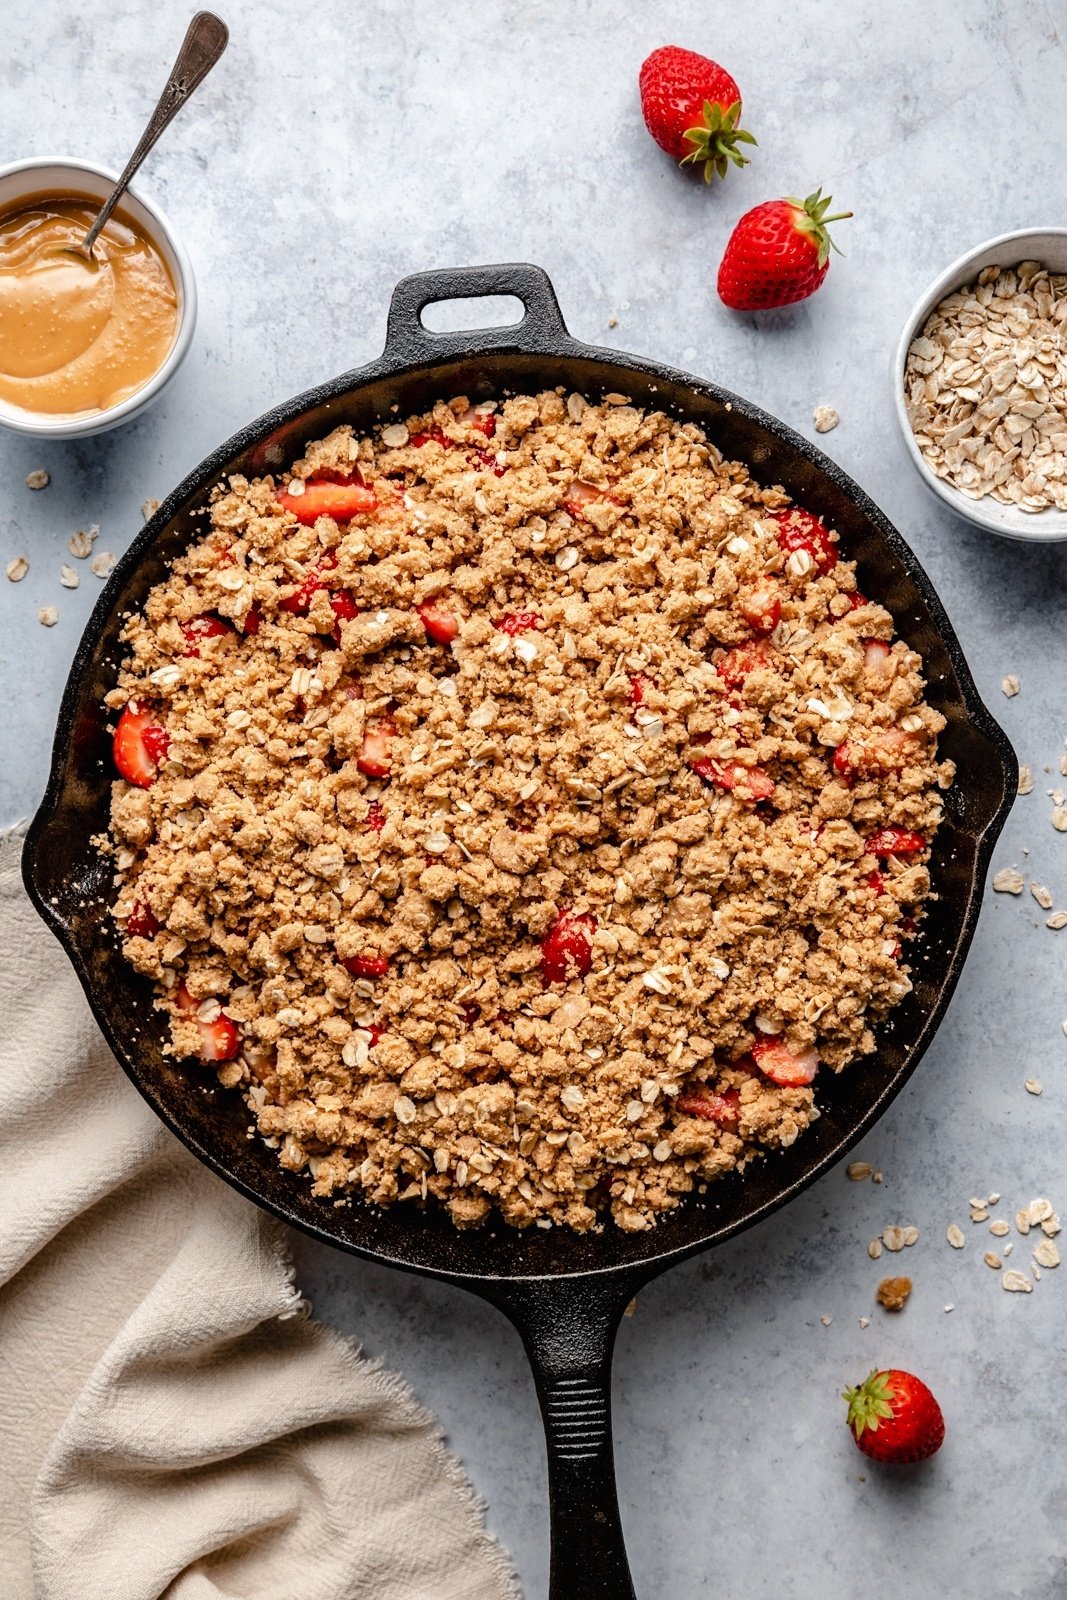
x=171, y=1422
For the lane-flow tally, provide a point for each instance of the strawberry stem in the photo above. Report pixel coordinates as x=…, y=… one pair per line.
x=869, y=1402
x=812, y=221
x=716, y=138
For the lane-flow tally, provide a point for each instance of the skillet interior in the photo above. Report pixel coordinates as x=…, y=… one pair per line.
x=70, y=883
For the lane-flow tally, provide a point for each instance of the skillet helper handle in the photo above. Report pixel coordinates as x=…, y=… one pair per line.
x=568, y=1327
x=541, y=328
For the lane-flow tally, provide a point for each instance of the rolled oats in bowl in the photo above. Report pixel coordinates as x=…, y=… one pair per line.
x=986, y=387
x=519, y=806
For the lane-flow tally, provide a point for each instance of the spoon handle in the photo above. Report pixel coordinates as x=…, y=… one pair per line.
x=204, y=42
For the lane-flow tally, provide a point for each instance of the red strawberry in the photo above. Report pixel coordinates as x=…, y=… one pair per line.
x=875, y=652
x=435, y=436
x=252, y=619
x=886, y=751
x=567, y=947
x=441, y=624
x=344, y=609
x=761, y=608
x=799, y=530
x=725, y=1108
x=375, y=817
x=219, y=1040
x=580, y=495
x=734, y=667
x=515, y=622
x=748, y=783
x=778, y=253
x=875, y=880
x=894, y=1417
x=375, y=758
x=639, y=685
x=857, y=601
x=341, y=501
x=141, y=922
x=691, y=107
x=299, y=602
x=140, y=746
x=484, y=421
x=895, y=842
x=487, y=460
x=206, y=626
x=366, y=966
x=781, y=1065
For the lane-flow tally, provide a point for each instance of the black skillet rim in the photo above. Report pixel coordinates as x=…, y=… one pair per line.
x=406, y=355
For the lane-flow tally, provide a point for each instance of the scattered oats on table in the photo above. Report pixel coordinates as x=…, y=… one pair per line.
x=825, y=419
x=101, y=564
x=1009, y=881
x=1016, y=1282
x=984, y=388
x=149, y=508
x=68, y=577
x=80, y=544
x=38, y=478
x=1042, y=895
x=1026, y=780
x=858, y=1170
x=1059, y=819
x=1057, y=921
x=17, y=569
x=954, y=1235
x=48, y=616
x=1010, y=685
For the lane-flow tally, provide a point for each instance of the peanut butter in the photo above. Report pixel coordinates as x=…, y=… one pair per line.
x=79, y=336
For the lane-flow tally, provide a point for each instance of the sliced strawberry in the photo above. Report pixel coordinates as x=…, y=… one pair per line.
x=206, y=626
x=252, y=619
x=725, y=1108
x=488, y=460
x=375, y=758
x=140, y=746
x=219, y=1040
x=344, y=609
x=580, y=495
x=374, y=1031
x=375, y=817
x=366, y=966
x=875, y=652
x=441, y=624
x=516, y=622
x=799, y=530
x=857, y=601
x=434, y=436
x=761, y=608
x=141, y=922
x=748, y=783
x=734, y=667
x=341, y=501
x=781, y=1065
x=895, y=842
x=484, y=421
x=470, y=1011
x=885, y=751
x=876, y=881
x=299, y=602
x=567, y=947
x=639, y=685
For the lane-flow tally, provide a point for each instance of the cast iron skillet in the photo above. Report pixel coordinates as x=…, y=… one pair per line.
x=564, y=1293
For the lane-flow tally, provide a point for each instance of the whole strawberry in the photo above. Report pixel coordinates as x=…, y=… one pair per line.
x=691, y=107
x=778, y=253
x=894, y=1417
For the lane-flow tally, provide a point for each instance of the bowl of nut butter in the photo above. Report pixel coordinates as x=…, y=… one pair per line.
x=85, y=344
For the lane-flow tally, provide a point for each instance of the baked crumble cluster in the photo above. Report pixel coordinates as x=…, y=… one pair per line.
x=518, y=805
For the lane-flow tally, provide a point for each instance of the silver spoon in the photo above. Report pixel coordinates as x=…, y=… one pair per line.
x=204, y=42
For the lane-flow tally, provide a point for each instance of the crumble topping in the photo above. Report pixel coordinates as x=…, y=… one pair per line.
x=524, y=803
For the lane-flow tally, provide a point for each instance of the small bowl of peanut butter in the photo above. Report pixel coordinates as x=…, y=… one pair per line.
x=85, y=345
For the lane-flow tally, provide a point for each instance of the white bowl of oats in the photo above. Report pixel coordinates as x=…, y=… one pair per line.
x=980, y=385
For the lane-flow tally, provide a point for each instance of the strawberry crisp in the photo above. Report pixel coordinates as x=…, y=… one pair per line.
x=520, y=806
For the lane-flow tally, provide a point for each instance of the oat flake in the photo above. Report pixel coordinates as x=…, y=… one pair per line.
x=48, y=616
x=825, y=419
x=1008, y=881
x=1016, y=1282
x=1010, y=685
x=17, y=569
x=954, y=1235
x=68, y=577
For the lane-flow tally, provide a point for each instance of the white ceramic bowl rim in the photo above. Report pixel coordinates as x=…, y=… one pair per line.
x=1022, y=244
x=43, y=426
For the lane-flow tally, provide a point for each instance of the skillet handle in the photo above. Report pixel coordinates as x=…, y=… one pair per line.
x=541, y=329
x=568, y=1327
